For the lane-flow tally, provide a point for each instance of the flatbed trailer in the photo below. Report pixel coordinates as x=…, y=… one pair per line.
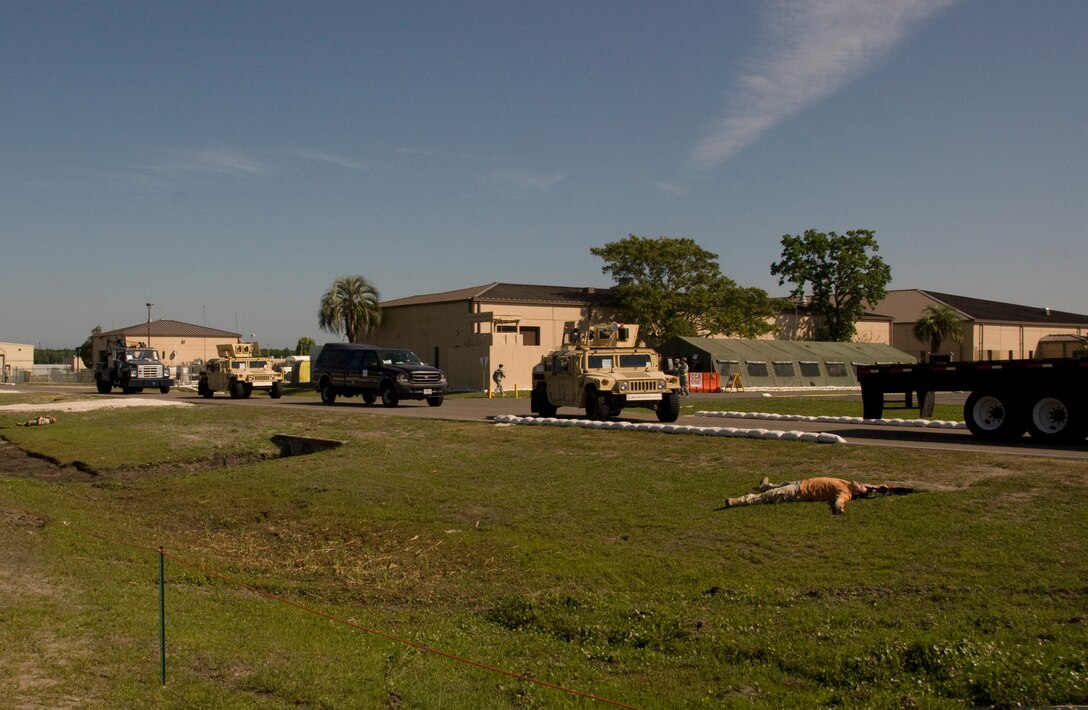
x=1046, y=398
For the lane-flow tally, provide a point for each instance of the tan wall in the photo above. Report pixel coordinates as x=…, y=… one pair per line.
x=790, y=326
x=995, y=342
x=15, y=356
x=463, y=337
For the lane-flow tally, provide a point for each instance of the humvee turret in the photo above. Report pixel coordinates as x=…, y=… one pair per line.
x=239, y=370
x=604, y=370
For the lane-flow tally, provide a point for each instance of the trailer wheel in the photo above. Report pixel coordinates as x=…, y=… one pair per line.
x=1054, y=419
x=993, y=416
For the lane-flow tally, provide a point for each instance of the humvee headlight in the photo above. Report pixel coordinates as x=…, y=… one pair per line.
x=661, y=384
x=623, y=386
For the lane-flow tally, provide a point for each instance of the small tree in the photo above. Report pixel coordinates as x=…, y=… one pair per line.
x=937, y=324
x=85, y=352
x=842, y=274
x=304, y=345
x=673, y=287
x=350, y=307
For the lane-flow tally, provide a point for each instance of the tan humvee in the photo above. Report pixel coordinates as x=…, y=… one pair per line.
x=604, y=370
x=239, y=369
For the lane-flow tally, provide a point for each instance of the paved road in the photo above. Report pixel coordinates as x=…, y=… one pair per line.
x=479, y=409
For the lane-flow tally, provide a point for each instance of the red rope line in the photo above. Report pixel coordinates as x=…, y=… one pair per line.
x=331, y=617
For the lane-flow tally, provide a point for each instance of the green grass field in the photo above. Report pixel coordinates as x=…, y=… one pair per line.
x=587, y=559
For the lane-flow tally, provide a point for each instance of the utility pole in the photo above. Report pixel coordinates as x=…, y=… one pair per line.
x=149, y=305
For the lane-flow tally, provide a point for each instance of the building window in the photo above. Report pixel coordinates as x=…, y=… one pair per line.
x=499, y=328
x=530, y=336
x=757, y=368
x=783, y=368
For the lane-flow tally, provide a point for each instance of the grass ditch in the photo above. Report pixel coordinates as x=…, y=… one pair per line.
x=587, y=558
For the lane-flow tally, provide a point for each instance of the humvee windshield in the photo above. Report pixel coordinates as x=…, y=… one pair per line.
x=400, y=357
x=605, y=362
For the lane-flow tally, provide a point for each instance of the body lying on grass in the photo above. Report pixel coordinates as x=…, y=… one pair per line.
x=836, y=491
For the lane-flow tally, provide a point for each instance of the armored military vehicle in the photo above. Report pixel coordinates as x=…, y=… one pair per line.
x=131, y=368
x=239, y=370
x=604, y=370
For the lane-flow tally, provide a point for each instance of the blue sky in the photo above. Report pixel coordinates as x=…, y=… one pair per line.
x=226, y=161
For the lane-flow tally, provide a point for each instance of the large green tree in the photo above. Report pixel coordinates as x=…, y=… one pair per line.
x=937, y=324
x=350, y=307
x=673, y=287
x=842, y=273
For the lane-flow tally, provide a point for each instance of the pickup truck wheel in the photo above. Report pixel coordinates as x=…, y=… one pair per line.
x=103, y=386
x=1054, y=418
x=370, y=397
x=277, y=390
x=540, y=403
x=668, y=410
x=994, y=416
x=389, y=396
x=328, y=394
x=236, y=391
x=165, y=389
x=435, y=401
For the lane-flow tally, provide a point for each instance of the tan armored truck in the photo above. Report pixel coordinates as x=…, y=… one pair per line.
x=604, y=370
x=239, y=370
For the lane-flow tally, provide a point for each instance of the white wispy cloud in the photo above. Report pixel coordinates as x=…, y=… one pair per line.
x=209, y=160
x=518, y=179
x=814, y=48
x=672, y=188
x=332, y=158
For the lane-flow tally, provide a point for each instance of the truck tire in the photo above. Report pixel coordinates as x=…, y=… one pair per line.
x=389, y=396
x=435, y=401
x=540, y=403
x=994, y=416
x=597, y=405
x=165, y=389
x=203, y=389
x=277, y=390
x=1056, y=418
x=236, y=390
x=370, y=397
x=668, y=410
x=103, y=386
x=247, y=390
x=328, y=394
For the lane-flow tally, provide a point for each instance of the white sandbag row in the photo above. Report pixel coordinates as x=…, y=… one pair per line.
x=936, y=423
x=726, y=431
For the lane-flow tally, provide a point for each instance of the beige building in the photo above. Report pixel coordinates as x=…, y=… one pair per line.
x=177, y=343
x=470, y=332
x=991, y=330
x=13, y=358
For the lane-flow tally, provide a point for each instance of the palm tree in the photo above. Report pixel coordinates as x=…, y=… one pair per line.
x=350, y=306
x=938, y=323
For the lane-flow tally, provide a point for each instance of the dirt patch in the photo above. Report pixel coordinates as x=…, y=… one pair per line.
x=17, y=463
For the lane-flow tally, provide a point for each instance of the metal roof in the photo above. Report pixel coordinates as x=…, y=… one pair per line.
x=511, y=293
x=171, y=328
